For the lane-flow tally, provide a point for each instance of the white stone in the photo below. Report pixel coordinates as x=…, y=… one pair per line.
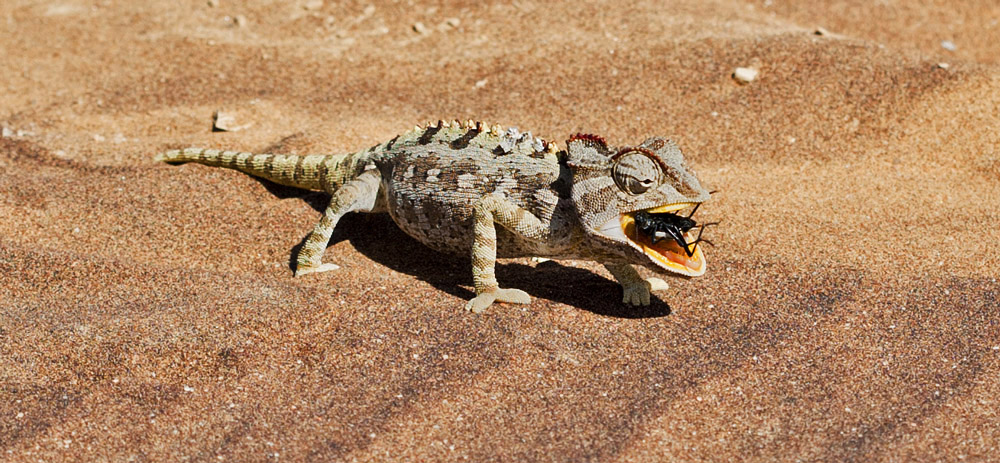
x=745, y=75
x=223, y=121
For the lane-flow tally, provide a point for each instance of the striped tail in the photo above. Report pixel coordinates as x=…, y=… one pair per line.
x=315, y=172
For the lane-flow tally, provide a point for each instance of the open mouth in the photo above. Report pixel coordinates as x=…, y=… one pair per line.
x=670, y=240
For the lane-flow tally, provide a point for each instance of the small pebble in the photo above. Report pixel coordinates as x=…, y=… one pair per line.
x=420, y=28
x=943, y=65
x=240, y=20
x=221, y=121
x=213, y=3
x=226, y=122
x=948, y=45
x=745, y=75
x=452, y=22
x=821, y=31
x=7, y=133
x=313, y=5
x=480, y=83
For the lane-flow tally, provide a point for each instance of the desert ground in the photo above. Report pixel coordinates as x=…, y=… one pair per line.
x=148, y=312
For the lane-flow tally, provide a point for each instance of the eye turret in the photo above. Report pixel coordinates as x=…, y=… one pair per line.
x=635, y=171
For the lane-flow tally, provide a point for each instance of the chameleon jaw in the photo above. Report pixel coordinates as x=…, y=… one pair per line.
x=666, y=253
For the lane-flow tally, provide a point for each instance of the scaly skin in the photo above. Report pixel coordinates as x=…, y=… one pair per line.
x=449, y=185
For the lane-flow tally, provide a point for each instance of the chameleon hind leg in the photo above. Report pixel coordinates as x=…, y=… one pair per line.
x=358, y=195
x=489, y=211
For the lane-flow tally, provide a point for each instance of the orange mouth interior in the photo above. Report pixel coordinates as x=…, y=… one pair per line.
x=666, y=251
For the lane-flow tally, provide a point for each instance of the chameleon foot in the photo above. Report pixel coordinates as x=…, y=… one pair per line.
x=514, y=296
x=302, y=271
x=638, y=294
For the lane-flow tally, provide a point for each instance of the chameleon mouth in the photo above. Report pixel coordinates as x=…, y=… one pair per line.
x=664, y=251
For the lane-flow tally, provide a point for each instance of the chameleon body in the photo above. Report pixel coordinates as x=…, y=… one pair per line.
x=486, y=192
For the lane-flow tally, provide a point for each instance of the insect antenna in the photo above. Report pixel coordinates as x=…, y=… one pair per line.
x=696, y=206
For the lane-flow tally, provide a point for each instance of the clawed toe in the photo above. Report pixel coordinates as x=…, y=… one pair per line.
x=302, y=271
x=638, y=293
x=509, y=295
x=513, y=296
x=635, y=296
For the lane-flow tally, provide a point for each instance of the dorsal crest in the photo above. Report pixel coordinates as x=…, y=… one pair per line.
x=590, y=141
x=589, y=137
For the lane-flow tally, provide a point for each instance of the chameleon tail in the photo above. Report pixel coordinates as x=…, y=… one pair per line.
x=314, y=172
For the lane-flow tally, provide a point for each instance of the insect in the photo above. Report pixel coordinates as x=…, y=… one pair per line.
x=671, y=226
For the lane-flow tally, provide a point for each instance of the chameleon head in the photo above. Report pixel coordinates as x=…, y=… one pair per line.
x=610, y=186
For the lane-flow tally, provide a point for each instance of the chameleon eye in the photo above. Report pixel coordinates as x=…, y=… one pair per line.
x=635, y=172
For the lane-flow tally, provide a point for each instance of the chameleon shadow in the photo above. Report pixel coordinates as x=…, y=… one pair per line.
x=378, y=238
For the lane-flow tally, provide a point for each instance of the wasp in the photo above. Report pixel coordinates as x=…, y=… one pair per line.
x=668, y=225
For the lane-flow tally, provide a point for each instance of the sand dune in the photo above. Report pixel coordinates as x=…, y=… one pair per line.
x=147, y=312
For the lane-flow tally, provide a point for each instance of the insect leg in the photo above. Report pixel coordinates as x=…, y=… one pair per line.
x=699, y=239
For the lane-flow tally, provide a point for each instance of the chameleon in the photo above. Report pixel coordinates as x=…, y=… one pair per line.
x=488, y=192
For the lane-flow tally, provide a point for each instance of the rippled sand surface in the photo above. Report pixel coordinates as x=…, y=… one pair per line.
x=148, y=313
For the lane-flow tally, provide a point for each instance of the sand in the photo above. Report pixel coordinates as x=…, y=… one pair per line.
x=148, y=313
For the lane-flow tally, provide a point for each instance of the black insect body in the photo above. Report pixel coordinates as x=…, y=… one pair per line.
x=671, y=226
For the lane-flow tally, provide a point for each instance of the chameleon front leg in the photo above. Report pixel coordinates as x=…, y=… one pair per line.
x=358, y=195
x=635, y=289
x=488, y=211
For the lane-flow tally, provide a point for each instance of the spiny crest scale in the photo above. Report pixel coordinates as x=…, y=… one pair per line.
x=590, y=139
